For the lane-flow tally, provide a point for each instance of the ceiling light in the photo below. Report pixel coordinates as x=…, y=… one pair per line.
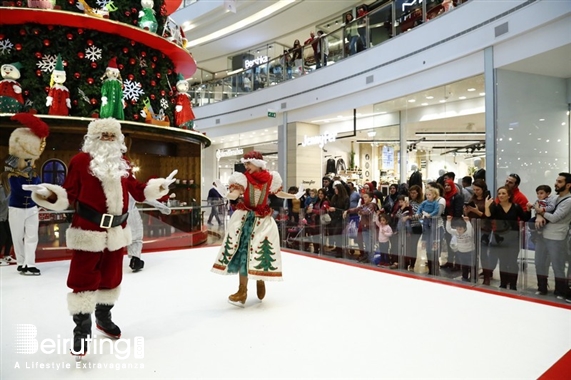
x=471, y=89
x=264, y=13
x=411, y=100
x=430, y=97
x=371, y=133
x=423, y=104
x=442, y=101
x=482, y=93
x=462, y=98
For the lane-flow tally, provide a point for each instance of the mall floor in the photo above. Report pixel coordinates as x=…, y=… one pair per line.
x=325, y=320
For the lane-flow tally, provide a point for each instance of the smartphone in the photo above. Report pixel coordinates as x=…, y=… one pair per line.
x=406, y=199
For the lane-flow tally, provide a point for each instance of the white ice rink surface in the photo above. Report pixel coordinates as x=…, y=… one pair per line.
x=325, y=320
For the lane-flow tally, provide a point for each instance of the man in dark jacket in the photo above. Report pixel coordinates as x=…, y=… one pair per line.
x=215, y=200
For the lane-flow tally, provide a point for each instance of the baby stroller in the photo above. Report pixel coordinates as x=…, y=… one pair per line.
x=294, y=236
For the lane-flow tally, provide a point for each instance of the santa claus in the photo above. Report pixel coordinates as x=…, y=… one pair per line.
x=97, y=186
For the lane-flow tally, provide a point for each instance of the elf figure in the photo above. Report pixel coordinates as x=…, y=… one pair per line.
x=11, y=100
x=147, y=19
x=58, y=97
x=112, y=92
x=183, y=115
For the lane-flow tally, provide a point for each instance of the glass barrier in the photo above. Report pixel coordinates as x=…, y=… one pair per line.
x=475, y=252
x=370, y=30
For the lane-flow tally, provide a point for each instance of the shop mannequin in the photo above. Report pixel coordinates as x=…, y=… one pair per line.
x=479, y=173
x=415, y=177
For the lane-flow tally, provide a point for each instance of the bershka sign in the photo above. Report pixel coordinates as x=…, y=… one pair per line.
x=229, y=152
x=320, y=140
x=255, y=62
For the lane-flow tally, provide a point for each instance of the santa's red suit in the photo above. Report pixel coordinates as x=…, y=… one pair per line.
x=185, y=116
x=96, y=263
x=60, y=100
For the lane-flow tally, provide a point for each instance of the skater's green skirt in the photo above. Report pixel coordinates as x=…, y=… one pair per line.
x=239, y=262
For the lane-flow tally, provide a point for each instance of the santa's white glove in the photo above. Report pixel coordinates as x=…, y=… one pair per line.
x=103, y=100
x=300, y=193
x=49, y=101
x=221, y=188
x=178, y=108
x=41, y=190
x=169, y=180
x=68, y=102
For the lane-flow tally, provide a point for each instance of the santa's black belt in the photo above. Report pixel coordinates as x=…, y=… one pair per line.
x=102, y=220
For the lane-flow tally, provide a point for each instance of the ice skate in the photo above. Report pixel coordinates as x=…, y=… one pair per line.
x=8, y=260
x=30, y=271
x=260, y=289
x=239, y=298
x=81, y=335
x=136, y=264
x=104, y=323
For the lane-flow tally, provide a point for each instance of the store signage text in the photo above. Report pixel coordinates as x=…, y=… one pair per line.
x=229, y=152
x=320, y=140
x=255, y=62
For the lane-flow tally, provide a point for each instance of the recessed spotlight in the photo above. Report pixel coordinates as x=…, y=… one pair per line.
x=541, y=119
x=482, y=93
x=471, y=89
x=411, y=100
x=462, y=98
x=430, y=97
x=442, y=101
x=423, y=104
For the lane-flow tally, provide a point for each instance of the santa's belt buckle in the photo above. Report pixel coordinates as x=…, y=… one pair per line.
x=106, y=221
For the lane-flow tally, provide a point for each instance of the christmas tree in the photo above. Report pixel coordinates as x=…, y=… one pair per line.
x=226, y=255
x=266, y=252
x=87, y=34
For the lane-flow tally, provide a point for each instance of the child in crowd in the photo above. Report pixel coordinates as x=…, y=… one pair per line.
x=543, y=192
x=311, y=198
x=429, y=208
x=385, y=232
x=464, y=233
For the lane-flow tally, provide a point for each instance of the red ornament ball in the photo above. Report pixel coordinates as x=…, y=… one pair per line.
x=47, y=89
x=125, y=50
x=169, y=72
x=135, y=22
x=171, y=93
x=77, y=75
x=93, y=101
x=71, y=2
x=47, y=42
x=136, y=117
x=90, y=80
x=19, y=3
x=154, y=58
x=39, y=73
x=89, y=42
x=18, y=47
x=153, y=97
x=36, y=32
x=132, y=61
x=133, y=101
x=153, y=83
x=163, y=92
x=159, y=75
x=79, y=31
x=143, y=72
x=120, y=66
x=50, y=27
x=74, y=102
x=133, y=10
x=26, y=93
x=130, y=77
x=132, y=43
x=69, y=36
x=1, y=37
x=143, y=54
x=22, y=32
x=93, y=65
x=38, y=55
x=81, y=55
x=153, y=65
x=127, y=13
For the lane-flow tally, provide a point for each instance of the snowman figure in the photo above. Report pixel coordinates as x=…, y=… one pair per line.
x=183, y=115
x=11, y=100
x=147, y=19
x=58, y=97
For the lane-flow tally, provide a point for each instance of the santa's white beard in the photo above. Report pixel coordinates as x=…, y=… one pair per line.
x=106, y=158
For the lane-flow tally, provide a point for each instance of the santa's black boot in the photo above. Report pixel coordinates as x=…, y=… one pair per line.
x=136, y=264
x=104, y=323
x=81, y=332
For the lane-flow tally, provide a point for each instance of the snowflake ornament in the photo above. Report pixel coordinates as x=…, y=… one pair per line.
x=48, y=63
x=6, y=47
x=142, y=62
x=93, y=53
x=164, y=103
x=132, y=90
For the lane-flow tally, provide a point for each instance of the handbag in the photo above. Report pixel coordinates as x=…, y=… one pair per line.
x=325, y=219
x=352, y=229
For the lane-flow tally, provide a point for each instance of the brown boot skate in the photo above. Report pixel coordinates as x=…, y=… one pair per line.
x=239, y=298
x=261, y=289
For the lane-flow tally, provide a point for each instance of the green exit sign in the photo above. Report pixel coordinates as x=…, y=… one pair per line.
x=271, y=114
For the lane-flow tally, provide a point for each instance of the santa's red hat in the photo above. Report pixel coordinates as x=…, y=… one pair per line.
x=28, y=142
